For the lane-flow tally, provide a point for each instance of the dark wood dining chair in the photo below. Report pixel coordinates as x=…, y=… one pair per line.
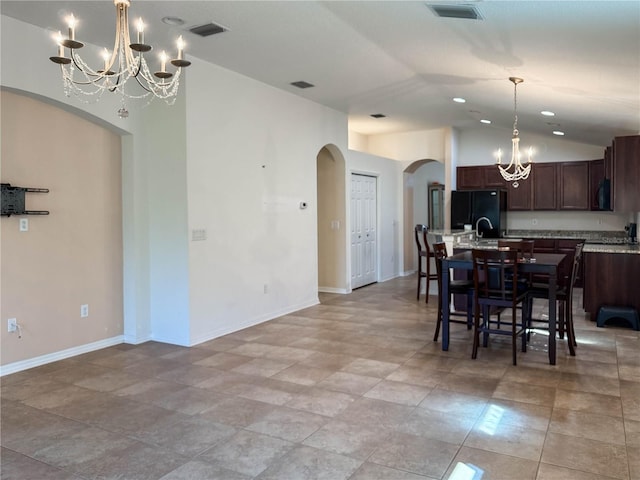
x=564, y=297
x=461, y=287
x=525, y=250
x=496, y=287
x=424, y=252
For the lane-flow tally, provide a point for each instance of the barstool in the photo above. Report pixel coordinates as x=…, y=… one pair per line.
x=425, y=252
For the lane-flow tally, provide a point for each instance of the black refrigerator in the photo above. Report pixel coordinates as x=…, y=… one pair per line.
x=467, y=206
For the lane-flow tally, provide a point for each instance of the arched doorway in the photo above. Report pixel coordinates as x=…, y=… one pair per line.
x=332, y=228
x=416, y=180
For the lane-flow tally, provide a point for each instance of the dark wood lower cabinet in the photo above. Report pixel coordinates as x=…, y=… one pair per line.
x=610, y=279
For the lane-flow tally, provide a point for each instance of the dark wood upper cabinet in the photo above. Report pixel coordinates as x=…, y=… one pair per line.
x=493, y=177
x=470, y=178
x=544, y=184
x=608, y=162
x=550, y=186
x=519, y=198
x=596, y=176
x=626, y=173
x=609, y=169
x=573, y=186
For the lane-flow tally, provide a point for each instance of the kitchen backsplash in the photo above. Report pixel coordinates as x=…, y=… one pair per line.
x=567, y=220
x=601, y=236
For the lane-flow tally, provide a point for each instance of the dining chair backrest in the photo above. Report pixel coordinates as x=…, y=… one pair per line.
x=421, y=232
x=525, y=247
x=495, y=272
x=440, y=253
x=577, y=256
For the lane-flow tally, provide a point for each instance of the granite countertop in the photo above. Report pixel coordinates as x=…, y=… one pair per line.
x=595, y=241
x=588, y=248
x=603, y=248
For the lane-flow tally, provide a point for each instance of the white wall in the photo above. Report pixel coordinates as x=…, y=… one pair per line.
x=165, y=148
x=251, y=156
x=405, y=146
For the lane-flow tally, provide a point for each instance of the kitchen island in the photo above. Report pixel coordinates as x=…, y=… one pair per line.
x=611, y=274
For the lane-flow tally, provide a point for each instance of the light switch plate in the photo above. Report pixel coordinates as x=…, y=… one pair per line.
x=198, y=234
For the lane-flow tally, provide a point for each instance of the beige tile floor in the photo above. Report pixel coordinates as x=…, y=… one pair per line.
x=354, y=388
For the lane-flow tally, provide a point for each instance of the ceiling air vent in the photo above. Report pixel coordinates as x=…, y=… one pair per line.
x=302, y=84
x=207, y=29
x=468, y=12
x=378, y=115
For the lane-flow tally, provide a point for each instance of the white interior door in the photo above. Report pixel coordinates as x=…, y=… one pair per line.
x=363, y=230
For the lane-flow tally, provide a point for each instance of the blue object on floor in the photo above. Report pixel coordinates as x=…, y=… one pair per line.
x=607, y=312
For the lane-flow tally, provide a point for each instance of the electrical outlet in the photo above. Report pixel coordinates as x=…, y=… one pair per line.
x=84, y=311
x=12, y=325
x=265, y=288
x=24, y=224
x=534, y=221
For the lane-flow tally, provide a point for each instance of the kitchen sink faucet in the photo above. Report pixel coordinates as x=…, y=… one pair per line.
x=478, y=234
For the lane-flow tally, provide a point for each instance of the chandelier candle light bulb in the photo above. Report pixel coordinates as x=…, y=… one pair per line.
x=60, y=46
x=163, y=61
x=71, y=22
x=140, y=25
x=106, y=56
x=180, y=44
x=127, y=61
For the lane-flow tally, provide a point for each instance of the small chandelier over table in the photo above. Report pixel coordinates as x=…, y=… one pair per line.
x=125, y=62
x=515, y=171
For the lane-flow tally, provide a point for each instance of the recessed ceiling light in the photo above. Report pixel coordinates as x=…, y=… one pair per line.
x=484, y=120
x=558, y=132
x=459, y=100
x=175, y=21
x=547, y=113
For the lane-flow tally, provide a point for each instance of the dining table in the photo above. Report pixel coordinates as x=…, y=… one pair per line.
x=540, y=263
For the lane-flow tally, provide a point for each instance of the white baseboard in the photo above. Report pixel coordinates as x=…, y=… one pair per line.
x=250, y=322
x=390, y=277
x=343, y=291
x=61, y=355
x=133, y=340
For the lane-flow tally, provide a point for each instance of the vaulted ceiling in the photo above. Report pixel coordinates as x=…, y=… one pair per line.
x=579, y=59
